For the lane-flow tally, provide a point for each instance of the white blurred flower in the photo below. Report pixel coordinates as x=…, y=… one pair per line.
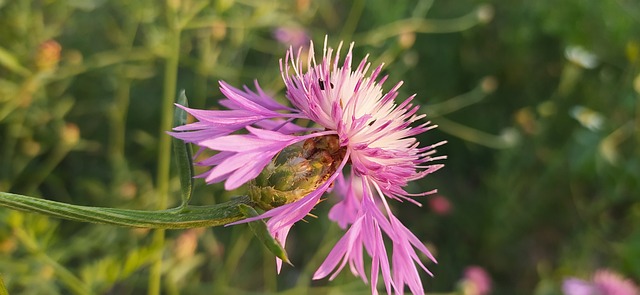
x=581, y=57
x=587, y=117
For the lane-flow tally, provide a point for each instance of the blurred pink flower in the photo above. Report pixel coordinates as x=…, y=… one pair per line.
x=476, y=281
x=440, y=205
x=604, y=282
x=356, y=124
x=573, y=286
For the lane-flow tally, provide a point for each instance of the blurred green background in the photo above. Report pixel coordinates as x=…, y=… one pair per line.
x=539, y=101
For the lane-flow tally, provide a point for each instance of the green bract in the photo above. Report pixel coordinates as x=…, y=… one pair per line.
x=296, y=171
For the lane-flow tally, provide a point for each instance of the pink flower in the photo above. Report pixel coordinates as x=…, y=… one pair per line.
x=359, y=128
x=604, y=282
x=291, y=36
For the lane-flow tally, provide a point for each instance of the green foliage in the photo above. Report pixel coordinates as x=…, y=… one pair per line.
x=539, y=101
x=3, y=289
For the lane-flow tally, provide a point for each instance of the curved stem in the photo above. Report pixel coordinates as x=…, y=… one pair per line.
x=176, y=218
x=418, y=25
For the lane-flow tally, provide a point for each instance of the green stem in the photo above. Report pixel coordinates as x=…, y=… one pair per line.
x=454, y=104
x=168, y=96
x=241, y=240
x=352, y=20
x=306, y=275
x=164, y=145
x=202, y=71
x=176, y=218
x=118, y=113
x=473, y=135
x=58, y=154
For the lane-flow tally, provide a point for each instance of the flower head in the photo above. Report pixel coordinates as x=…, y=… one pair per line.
x=362, y=140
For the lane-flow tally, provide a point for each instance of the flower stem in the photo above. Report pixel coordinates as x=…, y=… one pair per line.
x=176, y=218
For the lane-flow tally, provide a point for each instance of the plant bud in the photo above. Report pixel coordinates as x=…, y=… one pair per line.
x=296, y=171
x=48, y=55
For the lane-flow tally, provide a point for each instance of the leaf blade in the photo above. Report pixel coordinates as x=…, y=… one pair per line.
x=259, y=228
x=183, y=153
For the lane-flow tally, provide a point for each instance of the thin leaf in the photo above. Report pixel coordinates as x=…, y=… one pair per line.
x=183, y=153
x=259, y=228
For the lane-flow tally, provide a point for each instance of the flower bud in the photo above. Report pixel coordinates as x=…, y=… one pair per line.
x=296, y=171
x=48, y=55
x=70, y=134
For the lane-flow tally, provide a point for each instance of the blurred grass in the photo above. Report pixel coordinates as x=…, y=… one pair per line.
x=540, y=189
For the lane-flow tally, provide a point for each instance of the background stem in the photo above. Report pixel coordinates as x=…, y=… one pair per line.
x=164, y=145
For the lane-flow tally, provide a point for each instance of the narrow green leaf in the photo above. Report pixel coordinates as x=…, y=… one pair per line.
x=259, y=228
x=10, y=61
x=176, y=218
x=183, y=153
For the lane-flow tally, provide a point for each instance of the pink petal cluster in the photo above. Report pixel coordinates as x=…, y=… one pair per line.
x=382, y=156
x=604, y=282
